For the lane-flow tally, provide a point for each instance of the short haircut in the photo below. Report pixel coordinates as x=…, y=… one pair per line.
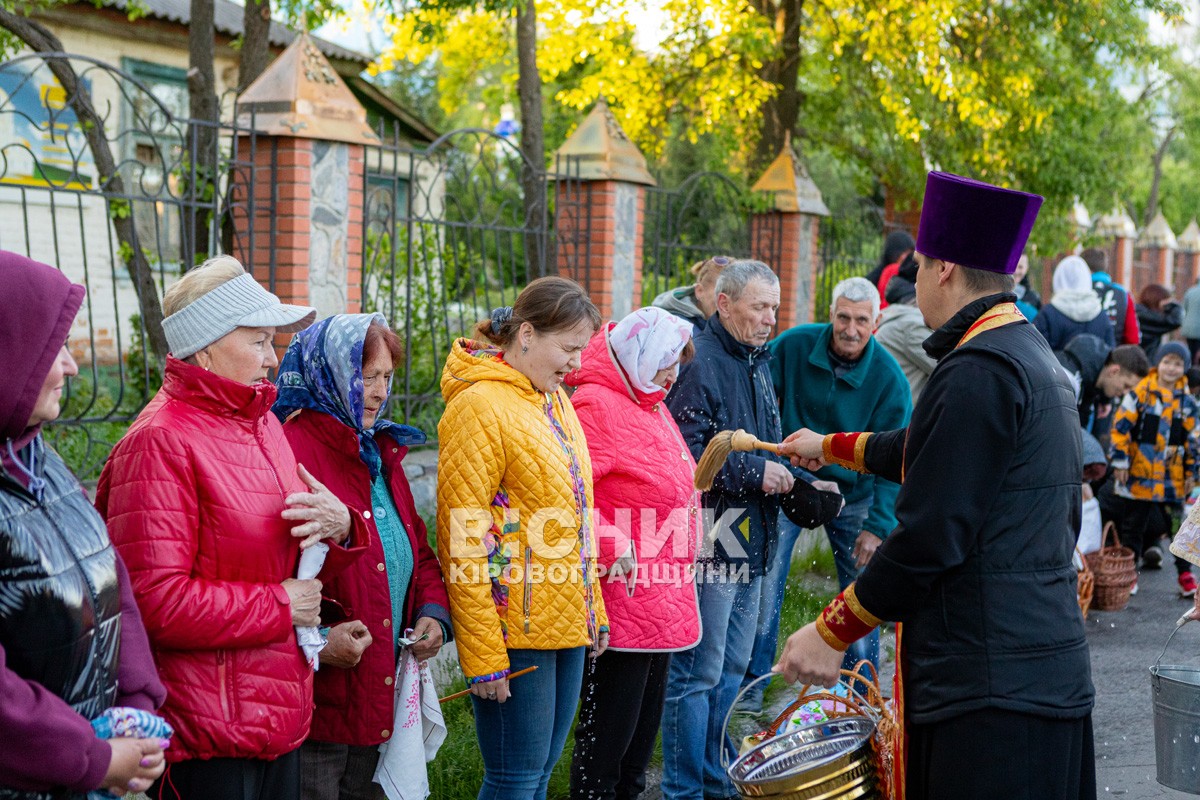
x=1097, y=259
x=856, y=290
x=1130, y=358
x=200, y=281
x=982, y=280
x=737, y=276
x=379, y=337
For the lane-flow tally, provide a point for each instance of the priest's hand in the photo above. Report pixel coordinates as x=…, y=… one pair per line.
x=807, y=658
x=806, y=448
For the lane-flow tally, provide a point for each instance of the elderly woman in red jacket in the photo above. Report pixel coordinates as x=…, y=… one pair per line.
x=649, y=529
x=333, y=385
x=209, y=509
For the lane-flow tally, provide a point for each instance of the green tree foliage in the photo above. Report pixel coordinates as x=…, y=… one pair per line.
x=1033, y=94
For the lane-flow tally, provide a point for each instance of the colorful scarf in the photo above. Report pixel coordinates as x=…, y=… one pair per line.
x=646, y=341
x=322, y=371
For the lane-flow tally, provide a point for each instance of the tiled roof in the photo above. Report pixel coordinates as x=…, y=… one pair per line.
x=228, y=20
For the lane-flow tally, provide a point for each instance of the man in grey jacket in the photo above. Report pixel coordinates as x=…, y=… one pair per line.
x=902, y=331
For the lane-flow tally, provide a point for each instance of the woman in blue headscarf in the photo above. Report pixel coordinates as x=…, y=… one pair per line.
x=333, y=384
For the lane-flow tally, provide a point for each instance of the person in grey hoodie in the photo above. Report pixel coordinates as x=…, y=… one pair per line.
x=698, y=302
x=1074, y=308
x=902, y=331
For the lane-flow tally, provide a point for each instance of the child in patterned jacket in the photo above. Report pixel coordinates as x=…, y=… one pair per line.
x=1156, y=458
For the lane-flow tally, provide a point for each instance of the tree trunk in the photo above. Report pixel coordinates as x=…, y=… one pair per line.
x=780, y=112
x=202, y=133
x=256, y=44
x=40, y=39
x=533, y=141
x=1159, y=155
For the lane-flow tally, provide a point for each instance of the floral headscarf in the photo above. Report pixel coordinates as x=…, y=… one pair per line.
x=322, y=371
x=647, y=341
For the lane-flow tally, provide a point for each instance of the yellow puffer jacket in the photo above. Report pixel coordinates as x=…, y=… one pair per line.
x=514, y=523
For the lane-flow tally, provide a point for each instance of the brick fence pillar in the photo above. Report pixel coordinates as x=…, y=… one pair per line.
x=1158, y=245
x=307, y=154
x=786, y=236
x=1117, y=225
x=1189, y=252
x=600, y=201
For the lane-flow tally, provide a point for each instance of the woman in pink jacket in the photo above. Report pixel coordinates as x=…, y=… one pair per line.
x=648, y=529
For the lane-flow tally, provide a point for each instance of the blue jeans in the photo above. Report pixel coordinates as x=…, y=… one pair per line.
x=521, y=739
x=842, y=531
x=701, y=686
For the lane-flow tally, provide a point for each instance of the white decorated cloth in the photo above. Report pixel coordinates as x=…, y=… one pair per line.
x=418, y=731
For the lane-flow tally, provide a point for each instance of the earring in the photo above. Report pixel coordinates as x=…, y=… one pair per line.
x=524, y=349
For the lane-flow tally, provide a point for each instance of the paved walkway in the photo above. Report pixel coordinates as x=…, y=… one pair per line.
x=1124, y=645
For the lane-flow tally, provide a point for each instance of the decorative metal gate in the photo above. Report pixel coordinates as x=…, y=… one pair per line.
x=850, y=246
x=706, y=215
x=60, y=210
x=448, y=236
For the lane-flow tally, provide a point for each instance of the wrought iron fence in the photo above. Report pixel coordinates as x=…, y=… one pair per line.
x=850, y=246
x=449, y=236
x=61, y=211
x=705, y=216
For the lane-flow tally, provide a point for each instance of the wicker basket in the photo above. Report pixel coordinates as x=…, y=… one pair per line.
x=1114, y=573
x=1085, y=585
x=846, y=756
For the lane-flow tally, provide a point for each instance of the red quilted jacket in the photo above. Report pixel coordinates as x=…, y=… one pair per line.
x=192, y=496
x=354, y=706
x=644, y=494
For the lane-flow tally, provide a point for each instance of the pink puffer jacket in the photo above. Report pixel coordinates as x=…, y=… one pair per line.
x=642, y=473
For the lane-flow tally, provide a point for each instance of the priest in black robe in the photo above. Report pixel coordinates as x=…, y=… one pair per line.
x=995, y=673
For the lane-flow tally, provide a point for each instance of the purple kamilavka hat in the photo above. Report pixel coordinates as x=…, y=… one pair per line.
x=975, y=224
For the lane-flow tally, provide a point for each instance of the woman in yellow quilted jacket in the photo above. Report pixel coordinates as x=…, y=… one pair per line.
x=514, y=529
x=1155, y=458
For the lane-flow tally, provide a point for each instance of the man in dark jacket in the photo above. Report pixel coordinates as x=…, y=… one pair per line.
x=979, y=568
x=1100, y=374
x=833, y=377
x=1115, y=299
x=726, y=386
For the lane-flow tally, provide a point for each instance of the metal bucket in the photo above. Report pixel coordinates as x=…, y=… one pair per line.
x=1176, y=693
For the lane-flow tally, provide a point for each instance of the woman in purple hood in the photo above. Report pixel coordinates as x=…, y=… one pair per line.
x=72, y=645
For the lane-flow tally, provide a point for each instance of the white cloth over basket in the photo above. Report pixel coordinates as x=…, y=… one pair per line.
x=1090, y=530
x=419, y=731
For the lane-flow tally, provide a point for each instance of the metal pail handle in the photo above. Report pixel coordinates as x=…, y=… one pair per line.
x=1184, y=620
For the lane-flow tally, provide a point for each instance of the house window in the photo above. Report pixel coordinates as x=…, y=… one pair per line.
x=155, y=127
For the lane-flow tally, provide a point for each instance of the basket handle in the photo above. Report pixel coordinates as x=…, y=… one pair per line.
x=1184, y=620
x=1083, y=560
x=855, y=702
x=1110, y=527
